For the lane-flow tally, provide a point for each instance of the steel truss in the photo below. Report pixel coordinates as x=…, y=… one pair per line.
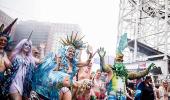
x=148, y=22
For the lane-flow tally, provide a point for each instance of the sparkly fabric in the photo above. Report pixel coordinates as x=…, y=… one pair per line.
x=20, y=77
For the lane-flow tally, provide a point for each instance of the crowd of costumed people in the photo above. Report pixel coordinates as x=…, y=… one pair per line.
x=26, y=73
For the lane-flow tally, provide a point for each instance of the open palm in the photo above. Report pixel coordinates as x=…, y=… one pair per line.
x=101, y=52
x=89, y=49
x=42, y=45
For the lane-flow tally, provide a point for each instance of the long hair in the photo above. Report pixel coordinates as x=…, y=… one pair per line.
x=17, y=62
x=64, y=60
x=18, y=49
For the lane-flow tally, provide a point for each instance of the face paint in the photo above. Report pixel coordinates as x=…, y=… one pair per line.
x=3, y=41
x=26, y=47
x=120, y=69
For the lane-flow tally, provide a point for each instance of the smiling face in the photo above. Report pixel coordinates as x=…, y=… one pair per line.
x=26, y=47
x=3, y=42
x=70, y=53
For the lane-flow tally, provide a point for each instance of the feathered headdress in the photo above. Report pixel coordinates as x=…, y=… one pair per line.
x=57, y=78
x=122, y=45
x=6, y=33
x=74, y=40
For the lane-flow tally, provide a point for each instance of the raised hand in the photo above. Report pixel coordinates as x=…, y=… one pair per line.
x=89, y=49
x=152, y=65
x=101, y=52
x=42, y=45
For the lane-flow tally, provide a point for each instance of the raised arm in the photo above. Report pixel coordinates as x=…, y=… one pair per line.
x=90, y=53
x=102, y=53
x=103, y=66
x=42, y=50
x=86, y=63
x=135, y=75
x=41, y=54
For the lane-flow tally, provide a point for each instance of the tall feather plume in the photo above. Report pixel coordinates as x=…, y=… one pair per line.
x=75, y=37
x=81, y=38
x=73, y=40
x=7, y=30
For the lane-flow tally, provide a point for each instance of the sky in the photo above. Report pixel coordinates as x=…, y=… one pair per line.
x=98, y=19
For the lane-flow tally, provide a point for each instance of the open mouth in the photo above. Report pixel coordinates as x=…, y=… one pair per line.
x=71, y=56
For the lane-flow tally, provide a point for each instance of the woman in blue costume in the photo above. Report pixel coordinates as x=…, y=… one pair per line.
x=44, y=72
x=18, y=83
x=50, y=85
x=65, y=62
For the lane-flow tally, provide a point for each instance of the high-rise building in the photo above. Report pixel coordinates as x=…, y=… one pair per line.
x=39, y=35
x=44, y=32
x=59, y=31
x=147, y=24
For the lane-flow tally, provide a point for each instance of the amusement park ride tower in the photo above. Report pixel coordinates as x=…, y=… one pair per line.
x=147, y=24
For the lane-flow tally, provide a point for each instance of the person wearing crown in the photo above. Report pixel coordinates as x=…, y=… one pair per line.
x=18, y=83
x=64, y=61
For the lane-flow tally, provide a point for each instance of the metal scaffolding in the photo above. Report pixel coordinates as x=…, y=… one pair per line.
x=147, y=22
